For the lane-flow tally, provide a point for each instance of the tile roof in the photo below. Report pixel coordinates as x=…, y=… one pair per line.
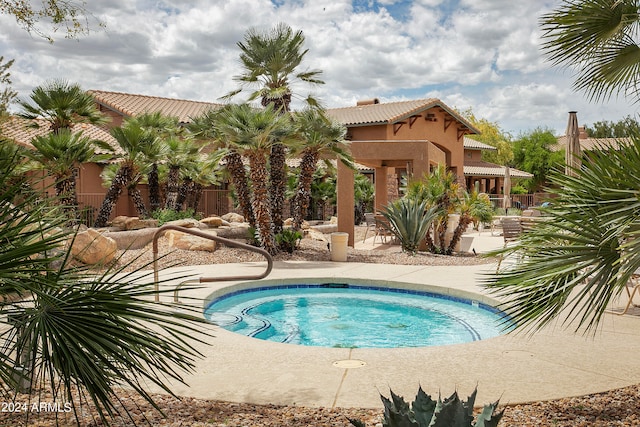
x=491, y=169
x=472, y=144
x=133, y=105
x=19, y=131
x=390, y=112
x=589, y=144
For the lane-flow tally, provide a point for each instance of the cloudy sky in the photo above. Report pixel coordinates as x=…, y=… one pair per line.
x=478, y=54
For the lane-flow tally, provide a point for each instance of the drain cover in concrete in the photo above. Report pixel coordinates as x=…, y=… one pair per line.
x=349, y=363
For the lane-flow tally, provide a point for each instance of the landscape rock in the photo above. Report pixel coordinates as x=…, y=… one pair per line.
x=90, y=247
x=213, y=221
x=135, y=223
x=132, y=239
x=233, y=217
x=186, y=223
x=189, y=242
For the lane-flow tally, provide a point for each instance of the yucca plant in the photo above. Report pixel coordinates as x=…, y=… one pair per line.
x=409, y=220
x=288, y=239
x=426, y=412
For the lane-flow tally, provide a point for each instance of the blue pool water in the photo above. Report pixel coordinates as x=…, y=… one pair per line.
x=354, y=316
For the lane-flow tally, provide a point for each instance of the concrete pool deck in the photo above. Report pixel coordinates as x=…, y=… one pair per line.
x=552, y=363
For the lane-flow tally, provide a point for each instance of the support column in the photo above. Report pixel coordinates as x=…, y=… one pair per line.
x=381, y=198
x=346, y=201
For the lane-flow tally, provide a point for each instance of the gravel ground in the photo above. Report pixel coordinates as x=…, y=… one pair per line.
x=614, y=408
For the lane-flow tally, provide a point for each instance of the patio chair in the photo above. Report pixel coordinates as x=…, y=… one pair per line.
x=511, y=231
x=632, y=288
x=370, y=220
x=382, y=229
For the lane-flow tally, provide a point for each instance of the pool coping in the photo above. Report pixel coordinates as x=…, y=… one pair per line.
x=552, y=363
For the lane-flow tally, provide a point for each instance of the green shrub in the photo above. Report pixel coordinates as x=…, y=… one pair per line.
x=425, y=412
x=409, y=220
x=288, y=239
x=167, y=215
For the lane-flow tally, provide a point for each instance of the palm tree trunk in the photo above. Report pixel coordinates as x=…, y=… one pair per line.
x=154, y=188
x=66, y=192
x=195, y=196
x=278, y=181
x=303, y=193
x=260, y=201
x=138, y=202
x=182, y=193
x=119, y=183
x=173, y=186
x=464, y=222
x=241, y=185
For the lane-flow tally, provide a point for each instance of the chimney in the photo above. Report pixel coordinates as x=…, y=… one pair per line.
x=368, y=101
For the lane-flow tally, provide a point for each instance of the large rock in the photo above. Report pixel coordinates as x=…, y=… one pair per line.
x=185, y=222
x=214, y=221
x=132, y=239
x=90, y=247
x=135, y=223
x=233, y=217
x=189, y=242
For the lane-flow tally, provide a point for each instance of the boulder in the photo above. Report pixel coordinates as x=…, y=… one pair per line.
x=233, y=217
x=132, y=239
x=189, y=242
x=90, y=247
x=186, y=223
x=119, y=222
x=317, y=235
x=213, y=221
x=135, y=223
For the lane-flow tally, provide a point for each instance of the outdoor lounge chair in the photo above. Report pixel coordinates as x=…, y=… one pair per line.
x=511, y=231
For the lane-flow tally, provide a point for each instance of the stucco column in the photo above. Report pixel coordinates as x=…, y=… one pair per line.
x=346, y=201
x=381, y=196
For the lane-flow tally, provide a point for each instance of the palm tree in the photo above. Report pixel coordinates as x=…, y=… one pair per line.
x=181, y=152
x=599, y=40
x=580, y=259
x=78, y=336
x=62, y=105
x=270, y=60
x=131, y=138
x=163, y=127
x=60, y=154
x=206, y=127
x=319, y=136
x=202, y=173
x=253, y=132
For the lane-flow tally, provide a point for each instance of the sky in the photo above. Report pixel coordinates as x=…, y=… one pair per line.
x=482, y=55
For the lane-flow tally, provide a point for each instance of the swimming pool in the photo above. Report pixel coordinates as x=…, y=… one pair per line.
x=354, y=316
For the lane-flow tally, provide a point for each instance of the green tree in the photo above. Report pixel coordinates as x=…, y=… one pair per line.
x=533, y=154
x=319, y=136
x=270, y=61
x=182, y=151
x=73, y=335
x=597, y=39
x=253, y=132
x=491, y=134
x=7, y=95
x=70, y=15
x=131, y=138
x=207, y=128
x=62, y=105
x=609, y=129
x=60, y=154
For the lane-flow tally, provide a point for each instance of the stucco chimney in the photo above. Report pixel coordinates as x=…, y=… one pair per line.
x=582, y=133
x=368, y=101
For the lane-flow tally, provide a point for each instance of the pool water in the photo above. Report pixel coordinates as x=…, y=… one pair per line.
x=354, y=316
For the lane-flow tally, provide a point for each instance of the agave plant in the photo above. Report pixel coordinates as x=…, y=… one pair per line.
x=426, y=412
x=409, y=220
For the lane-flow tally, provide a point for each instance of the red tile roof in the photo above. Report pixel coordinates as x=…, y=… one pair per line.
x=132, y=105
x=491, y=169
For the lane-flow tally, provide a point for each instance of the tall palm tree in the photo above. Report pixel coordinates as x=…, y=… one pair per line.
x=270, y=60
x=253, y=132
x=599, y=40
x=202, y=173
x=78, y=337
x=207, y=127
x=580, y=258
x=60, y=154
x=319, y=136
x=131, y=138
x=61, y=104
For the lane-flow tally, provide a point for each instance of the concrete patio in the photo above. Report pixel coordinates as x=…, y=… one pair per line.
x=552, y=363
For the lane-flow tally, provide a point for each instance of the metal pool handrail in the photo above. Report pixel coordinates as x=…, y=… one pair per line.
x=223, y=240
